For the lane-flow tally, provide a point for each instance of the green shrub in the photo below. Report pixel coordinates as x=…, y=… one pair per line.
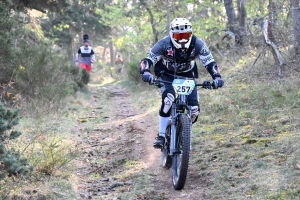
x=50, y=153
x=133, y=71
x=8, y=32
x=11, y=162
x=43, y=77
x=78, y=83
x=85, y=78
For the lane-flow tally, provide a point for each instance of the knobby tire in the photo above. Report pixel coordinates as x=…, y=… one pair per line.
x=184, y=126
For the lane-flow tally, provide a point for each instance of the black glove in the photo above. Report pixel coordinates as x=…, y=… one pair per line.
x=148, y=77
x=218, y=82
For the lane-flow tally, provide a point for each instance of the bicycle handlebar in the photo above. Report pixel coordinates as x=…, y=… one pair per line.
x=205, y=84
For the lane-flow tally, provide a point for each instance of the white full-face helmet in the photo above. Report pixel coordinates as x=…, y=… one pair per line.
x=181, y=33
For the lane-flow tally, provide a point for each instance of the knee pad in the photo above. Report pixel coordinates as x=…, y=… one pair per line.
x=166, y=104
x=194, y=113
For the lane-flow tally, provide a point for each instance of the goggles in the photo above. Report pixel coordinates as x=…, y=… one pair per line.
x=182, y=36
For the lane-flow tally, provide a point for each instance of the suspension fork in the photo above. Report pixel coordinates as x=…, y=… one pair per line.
x=173, y=130
x=175, y=115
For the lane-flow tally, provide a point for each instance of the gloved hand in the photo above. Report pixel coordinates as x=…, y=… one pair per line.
x=148, y=77
x=218, y=82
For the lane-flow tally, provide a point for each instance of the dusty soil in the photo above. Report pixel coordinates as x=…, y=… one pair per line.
x=117, y=158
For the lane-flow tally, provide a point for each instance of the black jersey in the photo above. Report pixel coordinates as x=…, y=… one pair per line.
x=164, y=51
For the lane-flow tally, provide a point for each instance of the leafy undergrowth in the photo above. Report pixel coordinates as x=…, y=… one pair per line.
x=246, y=141
x=47, y=142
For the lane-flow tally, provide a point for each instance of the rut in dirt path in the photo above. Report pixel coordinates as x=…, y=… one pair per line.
x=117, y=158
x=110, y=145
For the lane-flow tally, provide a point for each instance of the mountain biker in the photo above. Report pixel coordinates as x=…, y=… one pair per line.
x=87, y=55
x=120, y=64
x=180, y=49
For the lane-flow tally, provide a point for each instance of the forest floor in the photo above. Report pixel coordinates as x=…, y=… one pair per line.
x=98, y=145
x=118, y=160
x=243, y=148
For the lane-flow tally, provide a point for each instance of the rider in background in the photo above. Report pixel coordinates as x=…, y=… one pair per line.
x=120, y=64
x=87, y=55
x=185, y=47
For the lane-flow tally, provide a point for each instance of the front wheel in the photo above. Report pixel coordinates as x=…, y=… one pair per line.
x=182, y=156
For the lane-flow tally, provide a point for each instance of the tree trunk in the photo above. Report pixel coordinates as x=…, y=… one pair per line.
x=70, y=52
x=231, y=16
x=243, y=17
x=152, y=21
x=237, y=27
x=204, y=13
x=104, y=52
x=70, y=48
x=112, y=53
x=168, y=14
x=296, y=24
x=272, y=12
x=242, y=32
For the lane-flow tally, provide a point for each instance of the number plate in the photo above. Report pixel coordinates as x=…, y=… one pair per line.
x=183, y=87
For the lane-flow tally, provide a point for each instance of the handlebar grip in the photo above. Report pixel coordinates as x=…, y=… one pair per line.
x=205, y=84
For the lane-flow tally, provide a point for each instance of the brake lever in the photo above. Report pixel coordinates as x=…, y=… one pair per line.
x=207, y=85
x=157, y=83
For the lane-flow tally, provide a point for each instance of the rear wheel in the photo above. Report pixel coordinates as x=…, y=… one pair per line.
x=182, y=156
x=166, y=158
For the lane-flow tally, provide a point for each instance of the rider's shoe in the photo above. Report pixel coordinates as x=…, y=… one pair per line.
x=159, y=143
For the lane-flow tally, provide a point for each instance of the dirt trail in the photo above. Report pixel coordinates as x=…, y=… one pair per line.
x=117, y=159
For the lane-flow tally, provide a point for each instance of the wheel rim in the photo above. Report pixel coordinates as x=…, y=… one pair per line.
x=177, y=157
x=165, y=154
x=176, y=172
x=181, y=156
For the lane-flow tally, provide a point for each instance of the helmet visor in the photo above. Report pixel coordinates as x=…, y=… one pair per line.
x=182, y=36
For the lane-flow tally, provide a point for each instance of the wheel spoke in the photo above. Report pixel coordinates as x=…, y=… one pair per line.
x=166, y=158
x=181, y=158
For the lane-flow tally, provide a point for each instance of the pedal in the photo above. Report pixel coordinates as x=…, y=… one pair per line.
x=158, y=147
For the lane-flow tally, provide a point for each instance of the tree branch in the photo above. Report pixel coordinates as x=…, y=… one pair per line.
x=274, y=47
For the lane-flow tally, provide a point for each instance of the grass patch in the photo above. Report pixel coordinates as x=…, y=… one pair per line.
x=243, y=127
x=245, y=140
x=49, y=145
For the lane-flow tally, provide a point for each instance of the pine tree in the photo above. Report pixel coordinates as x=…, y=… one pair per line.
x=7, y=31
x=11, y=162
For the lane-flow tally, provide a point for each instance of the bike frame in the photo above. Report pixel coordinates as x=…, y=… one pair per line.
x=172, y=154
x=179, y=101
x=175, y=115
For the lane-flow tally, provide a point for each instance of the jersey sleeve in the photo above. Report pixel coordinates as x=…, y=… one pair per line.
x=156, y=52
x=205, y=55
x=77, y=54
x=207, y=59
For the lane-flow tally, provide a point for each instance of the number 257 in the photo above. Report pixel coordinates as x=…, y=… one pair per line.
x=183, y=88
